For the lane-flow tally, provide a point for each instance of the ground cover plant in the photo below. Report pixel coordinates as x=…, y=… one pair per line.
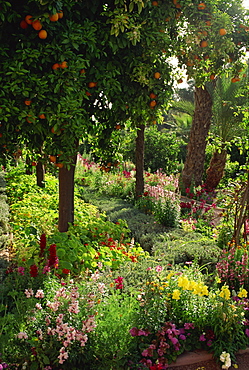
x=66, y=295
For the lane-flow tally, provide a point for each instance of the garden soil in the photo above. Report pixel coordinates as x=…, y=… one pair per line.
x=201, y=360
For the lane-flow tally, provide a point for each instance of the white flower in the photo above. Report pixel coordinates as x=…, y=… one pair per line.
x=225, y=357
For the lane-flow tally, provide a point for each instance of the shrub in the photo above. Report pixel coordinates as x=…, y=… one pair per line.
x=161, y=150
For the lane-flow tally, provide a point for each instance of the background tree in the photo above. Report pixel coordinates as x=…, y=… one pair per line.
x=68, y=71
x=215, y=41
x=227, y=125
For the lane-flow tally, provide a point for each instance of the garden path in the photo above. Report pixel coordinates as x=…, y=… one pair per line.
x=202, y=360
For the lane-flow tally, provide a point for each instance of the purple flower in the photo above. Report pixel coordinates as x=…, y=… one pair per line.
x=202, y=338
x=247, y=332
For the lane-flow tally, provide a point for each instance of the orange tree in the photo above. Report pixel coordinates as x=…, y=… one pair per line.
x=214, y=40
x=73, y=68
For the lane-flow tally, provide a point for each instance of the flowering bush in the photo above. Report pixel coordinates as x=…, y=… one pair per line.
x=199, y=206
x=161, y=199
x=233, y=266
x=173, y=298
x=57, y=322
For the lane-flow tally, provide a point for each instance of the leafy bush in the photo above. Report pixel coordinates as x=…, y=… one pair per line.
x=161, y=150
x=180, y=247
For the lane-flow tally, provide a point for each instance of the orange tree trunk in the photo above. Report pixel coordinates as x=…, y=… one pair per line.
x=215, y=170
x=66, y=196
x=40, y=171
x=139, y=161
x=194, y=165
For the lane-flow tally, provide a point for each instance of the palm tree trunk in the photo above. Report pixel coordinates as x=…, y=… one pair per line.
x=194, y=165
x=139, y=161
x=215, y=170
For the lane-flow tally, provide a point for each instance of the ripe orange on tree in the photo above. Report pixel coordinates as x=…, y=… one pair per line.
x=27, y=102
x=30, y=118
x=153, y=103
x=88, y=94
x=52, y=158
x=64, y=65
x=203, y=44
x=212, y=76
x=157, y=75
x=37, y=25
x=1, y=135
x=56, y=66
x=60, y=14
x=28, y=19
x=54, y=17
x=155, y=3
x=43, y=34
x=23, y=24
x=42, y=116
x=153, y=96
x=59, y=165
x=208, y=23
x=235, y=79
x=82, y=71
x=92, y=84
x=33, y=163
x=118, y=127
x=201, y=6
x=222, y=31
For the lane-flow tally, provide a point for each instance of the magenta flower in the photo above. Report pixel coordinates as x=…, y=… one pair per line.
x=202, y=338
x=119, y=282
x=21, y=270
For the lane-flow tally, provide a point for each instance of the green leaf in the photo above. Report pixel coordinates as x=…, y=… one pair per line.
x=65, y=265
x=34, y=366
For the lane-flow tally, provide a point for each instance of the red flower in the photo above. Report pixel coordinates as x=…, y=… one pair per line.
x=52, y=255
x=43, y=243
x=119, y=282
x=33, y=270
x=65, y=271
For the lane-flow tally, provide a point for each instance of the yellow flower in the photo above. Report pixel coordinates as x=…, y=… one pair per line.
x=235, y=366
x=242, y=293
x=183, y=282
x=176, y=294
x=169, y=275
x=225, y=292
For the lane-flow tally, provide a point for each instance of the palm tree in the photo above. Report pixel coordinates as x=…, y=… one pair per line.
x=226, y=121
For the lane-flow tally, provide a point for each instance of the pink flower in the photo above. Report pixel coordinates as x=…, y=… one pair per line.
x=63, y=355
x=21, y=270
x=46, y=269
x=22, y=335
x=159, y=268
x=29, y=293
x=38, y=306
x=39, y=294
